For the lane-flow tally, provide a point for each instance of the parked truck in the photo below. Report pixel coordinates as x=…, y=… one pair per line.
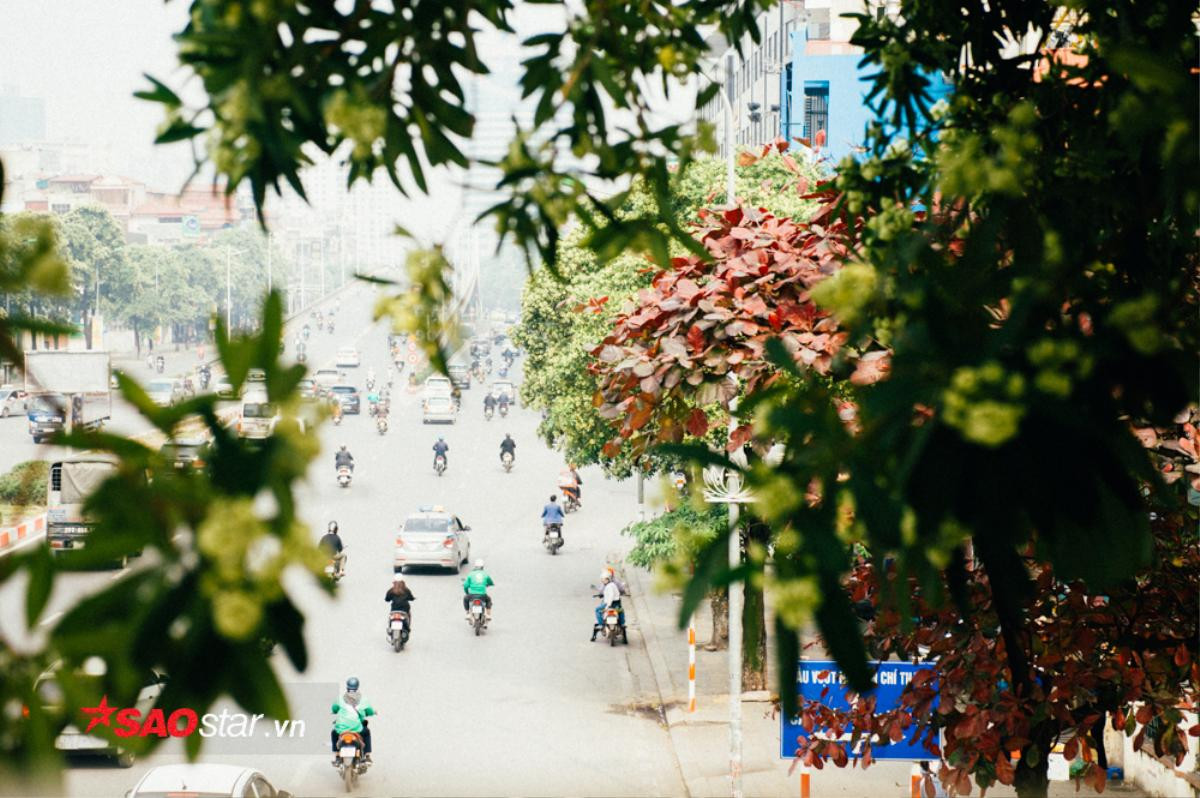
x=72, y=480
x=67, y=390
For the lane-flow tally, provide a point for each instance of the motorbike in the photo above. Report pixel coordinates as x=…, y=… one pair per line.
x=331, y=328
x=503, y=409
x=439, y=464
x=381, y=424
x=680, y=482
x=570, y=503
x=370, y=384
x=613, y=626
x=205, y=376
x=478, y=618
x=398, y=630
x=504, y=371
x=301, y=357
x=331, y=571
x=553, y=539
x=351, y=762
x=506, y=460
x=160, y=364
x=337, y=420
x=343, y=476
x=487, y=412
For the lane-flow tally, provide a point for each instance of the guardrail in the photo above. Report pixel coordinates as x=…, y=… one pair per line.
x=15, y=537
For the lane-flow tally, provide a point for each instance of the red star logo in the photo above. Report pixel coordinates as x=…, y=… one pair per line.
x=100, y=714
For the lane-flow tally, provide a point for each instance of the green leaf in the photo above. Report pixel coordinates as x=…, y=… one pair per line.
x=41, y=582
x=710, y=562
x=159, y=94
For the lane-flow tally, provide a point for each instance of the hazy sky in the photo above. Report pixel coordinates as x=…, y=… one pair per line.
x=86, y=58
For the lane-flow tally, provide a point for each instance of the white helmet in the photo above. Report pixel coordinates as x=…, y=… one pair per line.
x=478, y=564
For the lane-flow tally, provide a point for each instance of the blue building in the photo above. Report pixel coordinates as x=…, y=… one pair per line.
x=825, y=91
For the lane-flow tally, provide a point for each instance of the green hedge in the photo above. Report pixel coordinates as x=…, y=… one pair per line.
x=25, y=484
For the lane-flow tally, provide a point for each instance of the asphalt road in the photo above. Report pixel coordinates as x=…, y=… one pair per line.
x=532, y=707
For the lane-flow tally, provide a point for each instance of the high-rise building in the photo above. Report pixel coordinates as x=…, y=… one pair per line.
x=22, y=119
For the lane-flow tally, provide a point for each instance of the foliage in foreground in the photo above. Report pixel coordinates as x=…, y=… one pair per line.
x=24, y=485
x=207, y=589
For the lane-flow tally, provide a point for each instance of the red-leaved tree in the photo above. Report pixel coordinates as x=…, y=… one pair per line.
x=1125, y=657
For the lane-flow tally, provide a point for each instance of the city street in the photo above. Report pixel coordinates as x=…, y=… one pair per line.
x=510, y=712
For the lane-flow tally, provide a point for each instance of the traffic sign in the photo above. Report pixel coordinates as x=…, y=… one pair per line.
x=412, y=358
x=412, y=346
x=821, y=681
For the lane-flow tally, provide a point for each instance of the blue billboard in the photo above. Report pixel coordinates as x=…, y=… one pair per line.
x=821, y=681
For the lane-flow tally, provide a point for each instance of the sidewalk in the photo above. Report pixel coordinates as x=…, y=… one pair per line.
x=701, y=739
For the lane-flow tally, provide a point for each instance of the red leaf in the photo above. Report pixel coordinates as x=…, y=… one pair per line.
x=1182, y=657
x=697, y=423
x=695, y=339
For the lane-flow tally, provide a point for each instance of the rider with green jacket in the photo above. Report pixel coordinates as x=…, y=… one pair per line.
x=350, y=714
x=477, y=584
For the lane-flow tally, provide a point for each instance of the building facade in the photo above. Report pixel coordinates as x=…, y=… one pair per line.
x=802, y=81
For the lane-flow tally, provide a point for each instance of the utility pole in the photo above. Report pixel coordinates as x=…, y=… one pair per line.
x=228, y=295
x=727, y=96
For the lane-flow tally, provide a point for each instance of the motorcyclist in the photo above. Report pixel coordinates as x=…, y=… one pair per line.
x=509, y=446
x=476, y=584
x=373, y=401
x=335, y=407
x=371, y=376
x=342, y=457
x=331, y=544
x=610, y=596
x=400, y=596
x=568, y=483
x=441, y=448
x=489, y=403
x=456, y=395
x=552, y=513
x=351, y=712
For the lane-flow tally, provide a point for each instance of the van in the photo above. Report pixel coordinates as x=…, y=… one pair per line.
x=258, y=417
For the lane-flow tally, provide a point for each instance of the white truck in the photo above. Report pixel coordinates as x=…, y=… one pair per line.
x=67, y=390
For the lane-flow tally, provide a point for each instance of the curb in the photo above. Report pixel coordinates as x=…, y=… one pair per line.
x=15, y=537
x=663, y=684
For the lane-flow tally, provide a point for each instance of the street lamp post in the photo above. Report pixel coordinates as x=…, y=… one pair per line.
x=724, y=486
x=229, y=288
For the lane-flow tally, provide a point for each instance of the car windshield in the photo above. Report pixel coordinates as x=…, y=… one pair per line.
x=160, y=386
x=347, y=389
x=46, y=404
x=180, y=451
x=258, y=410
x=427, y=524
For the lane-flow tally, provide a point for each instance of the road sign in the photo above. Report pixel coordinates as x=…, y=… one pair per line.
x=412, y=358
x=821, y=681
x=412, y=346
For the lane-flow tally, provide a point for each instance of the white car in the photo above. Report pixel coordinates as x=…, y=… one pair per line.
x=439, y=410
x=347, y=356
x=230, y=781
x=12, y=401
x=163, y=392
x=432, y=536
x=437, y=385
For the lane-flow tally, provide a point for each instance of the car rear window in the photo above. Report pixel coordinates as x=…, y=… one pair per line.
x=424, y=524
x=160, y=386
x=258, y=410
x=438, y=403
x=344, y=389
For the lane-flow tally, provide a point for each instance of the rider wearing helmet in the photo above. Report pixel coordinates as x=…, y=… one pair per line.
x=342, y=457
x=489, y=401
x=508, y=446
x=610, y=596
x=331, y=544
x=441, y=448
x=351, y=713
x=476, y=584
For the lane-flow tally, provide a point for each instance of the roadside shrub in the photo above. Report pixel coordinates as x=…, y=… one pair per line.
x=25, y=484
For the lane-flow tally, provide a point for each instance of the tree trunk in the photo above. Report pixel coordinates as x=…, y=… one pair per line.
x=754, y=638
x=718, y=601
x=1032, y=780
